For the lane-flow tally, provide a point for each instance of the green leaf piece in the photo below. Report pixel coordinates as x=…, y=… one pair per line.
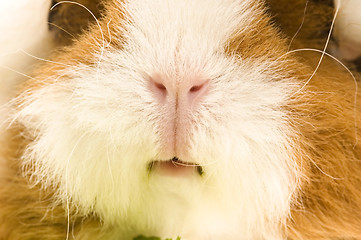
x=146, y=238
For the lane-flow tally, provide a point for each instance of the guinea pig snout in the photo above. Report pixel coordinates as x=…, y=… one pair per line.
x=178, y=99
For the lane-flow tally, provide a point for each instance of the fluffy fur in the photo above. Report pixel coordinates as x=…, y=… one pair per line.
x=279, y=146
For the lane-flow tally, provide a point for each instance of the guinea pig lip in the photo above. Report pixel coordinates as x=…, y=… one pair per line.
x=177, y=162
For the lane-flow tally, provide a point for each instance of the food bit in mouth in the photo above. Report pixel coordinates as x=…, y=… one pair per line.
x=175, y=168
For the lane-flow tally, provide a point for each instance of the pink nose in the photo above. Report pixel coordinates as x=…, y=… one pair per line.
x=185, y=93
x=178, y=99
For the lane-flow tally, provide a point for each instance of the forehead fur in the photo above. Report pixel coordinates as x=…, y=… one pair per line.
x=234, y=28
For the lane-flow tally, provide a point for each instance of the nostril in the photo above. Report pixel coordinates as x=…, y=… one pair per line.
x=197, y=91
x=196, y=88
x=158, y=89
x=160, y=86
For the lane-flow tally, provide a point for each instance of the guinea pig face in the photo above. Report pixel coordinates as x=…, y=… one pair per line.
x=171, y=120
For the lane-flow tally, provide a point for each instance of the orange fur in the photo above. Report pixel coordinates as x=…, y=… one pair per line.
x=327, y=115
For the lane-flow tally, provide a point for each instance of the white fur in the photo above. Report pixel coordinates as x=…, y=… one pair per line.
x=23, y=25
x=98, y=129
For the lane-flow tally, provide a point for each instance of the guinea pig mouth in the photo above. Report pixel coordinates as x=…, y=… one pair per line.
x=175, y=168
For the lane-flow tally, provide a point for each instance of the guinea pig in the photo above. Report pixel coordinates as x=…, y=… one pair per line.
x=204, y=120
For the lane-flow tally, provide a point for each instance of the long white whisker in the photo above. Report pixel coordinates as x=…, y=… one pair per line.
x=300, y=27
x=66, y=183
x=109, y=33
x=97, y=22
x=109, y=165
x=62, y=29
x=15, y=71
x=42, y=59
x=323, y=52
x=349, y=71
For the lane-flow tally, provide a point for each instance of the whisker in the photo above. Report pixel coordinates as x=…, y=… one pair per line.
x=109, y=165
x=323, y=52
x=109, y=33
x=97, y=22
x=68, y=218
x=62, y=29
x=300, y=27
x=16, y=71
x=324, y=173
x=43, y=59
x=66, y=182
x=352, y=75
